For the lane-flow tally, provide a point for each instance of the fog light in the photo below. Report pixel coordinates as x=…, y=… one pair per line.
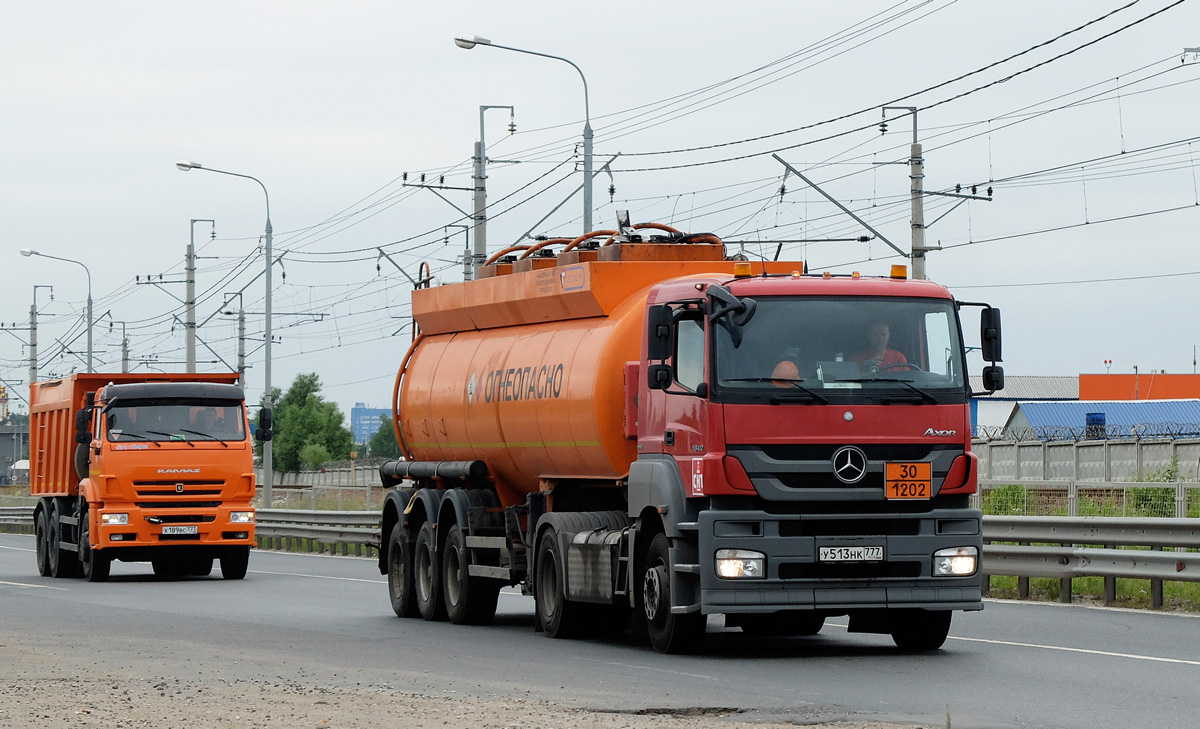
x=740, y=564
x=114, y=518
x=955, y=562
x=241, y=517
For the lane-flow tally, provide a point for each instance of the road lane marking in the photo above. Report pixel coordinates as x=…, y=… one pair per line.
x=317, y=577
x=1110, y=654
x=16, y=549
x=29, y=584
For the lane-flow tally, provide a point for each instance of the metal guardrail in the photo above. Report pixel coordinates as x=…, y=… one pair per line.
x=1030, y=557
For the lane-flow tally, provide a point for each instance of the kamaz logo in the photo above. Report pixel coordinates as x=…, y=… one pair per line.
x=179, y=470
x=941, y=433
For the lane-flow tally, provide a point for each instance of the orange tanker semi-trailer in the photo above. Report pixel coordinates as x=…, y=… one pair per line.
x=558, y=433
x=154, y=468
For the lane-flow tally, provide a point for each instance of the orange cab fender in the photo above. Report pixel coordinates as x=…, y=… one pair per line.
x=89, y=491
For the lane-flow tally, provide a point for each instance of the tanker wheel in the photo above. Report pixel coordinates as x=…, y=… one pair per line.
x=401, y=588
x=469, y=600
x=234, y=562
x=62, y=562
x=95, y=563
x=41, y=537
x=557, y=616
x=920, y=630
x=669, y=632
x=426, y=577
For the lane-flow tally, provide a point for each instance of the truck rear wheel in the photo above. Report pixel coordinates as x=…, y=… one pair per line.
x=95, y=563
x=426, y=577
x=669, y=632
x=234, y=561
x=400, y=573
x=920, y=630
x=469, y=600
x=62, y=562
x=557, y=616
x=41, y=537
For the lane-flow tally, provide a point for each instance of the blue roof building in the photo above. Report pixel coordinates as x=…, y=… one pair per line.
x=1090, y=419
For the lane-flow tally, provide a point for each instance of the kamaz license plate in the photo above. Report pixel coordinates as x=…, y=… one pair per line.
x=850, y=554
x=181, y=529
x=908, y=480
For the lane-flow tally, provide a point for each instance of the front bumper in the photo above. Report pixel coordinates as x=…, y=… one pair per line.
x=795, y=579
x=145, y=526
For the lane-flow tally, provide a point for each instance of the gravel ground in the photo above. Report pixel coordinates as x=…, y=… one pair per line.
x=42, y=689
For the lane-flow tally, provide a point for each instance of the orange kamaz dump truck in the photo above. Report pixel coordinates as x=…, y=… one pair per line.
x=636, y=426
x=138, y=468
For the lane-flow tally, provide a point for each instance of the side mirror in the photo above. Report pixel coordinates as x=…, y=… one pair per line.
x=658, y=377
x=659, y=326
x=83, y=437
x=83, y=421
x=265, y=422
x=993, y=378
x=989, y=335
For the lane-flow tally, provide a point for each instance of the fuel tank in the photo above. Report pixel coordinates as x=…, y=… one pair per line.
x=526, y=371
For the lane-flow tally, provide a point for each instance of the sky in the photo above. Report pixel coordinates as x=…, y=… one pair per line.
x=1089, y=137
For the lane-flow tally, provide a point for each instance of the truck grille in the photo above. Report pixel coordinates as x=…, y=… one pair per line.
x=178, y=504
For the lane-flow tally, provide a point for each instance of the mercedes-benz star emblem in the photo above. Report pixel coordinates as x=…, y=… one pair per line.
x=849, y=464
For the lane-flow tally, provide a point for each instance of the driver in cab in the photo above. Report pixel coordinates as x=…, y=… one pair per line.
x=876, y=356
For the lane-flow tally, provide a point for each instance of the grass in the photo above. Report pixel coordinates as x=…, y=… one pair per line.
x=1131, y=593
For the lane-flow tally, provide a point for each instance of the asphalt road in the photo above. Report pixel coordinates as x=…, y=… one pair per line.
x=326, y=621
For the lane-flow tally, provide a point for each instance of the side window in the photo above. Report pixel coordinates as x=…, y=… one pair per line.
x=938, y=346
x=689, y=353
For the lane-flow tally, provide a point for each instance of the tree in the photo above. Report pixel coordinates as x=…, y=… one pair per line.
x=314, y=455
x=302, y=418
x=383, y=444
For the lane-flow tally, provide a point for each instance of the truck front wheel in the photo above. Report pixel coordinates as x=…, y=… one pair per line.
x=669, y=632
x=96, y=563
x=41, y=537
x=400, y=573
x=920, y=630
x=234, y=562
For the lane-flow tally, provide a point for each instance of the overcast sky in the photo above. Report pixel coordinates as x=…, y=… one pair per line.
x=1092, y=156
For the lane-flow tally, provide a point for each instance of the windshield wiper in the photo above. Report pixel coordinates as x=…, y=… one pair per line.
x=171, y=437
x=206, y=435
x=124, y=434
x=924, y=395
x=812, y=396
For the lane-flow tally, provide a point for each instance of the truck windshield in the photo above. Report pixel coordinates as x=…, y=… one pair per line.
x=845, y=348
x=216, y=420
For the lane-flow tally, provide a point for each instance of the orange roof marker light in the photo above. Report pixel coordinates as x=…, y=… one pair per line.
x=741, y=269
x=899, y=270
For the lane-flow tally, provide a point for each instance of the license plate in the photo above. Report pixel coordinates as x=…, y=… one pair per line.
x=186, y=529
x=908, y=480
x=850, y=554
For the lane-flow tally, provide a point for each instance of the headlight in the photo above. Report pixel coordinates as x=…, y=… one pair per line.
x=114, y=518
x=241, y=517
x=955, y=562
x=741, y=564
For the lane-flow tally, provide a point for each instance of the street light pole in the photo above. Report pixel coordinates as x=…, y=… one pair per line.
x=470, y=41
x=268, y=470
x=30, y=252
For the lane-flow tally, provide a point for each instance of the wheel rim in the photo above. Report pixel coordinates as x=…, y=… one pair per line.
x=424, y=572
x=653, y=593
x=395, y=571
x=453, y=574
x=548, y=585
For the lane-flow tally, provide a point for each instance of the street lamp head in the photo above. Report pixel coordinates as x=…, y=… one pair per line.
x=27, y=252
x=470, y=41
x=184, y=165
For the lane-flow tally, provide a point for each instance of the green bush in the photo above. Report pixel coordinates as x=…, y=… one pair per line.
x=1007, y=500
